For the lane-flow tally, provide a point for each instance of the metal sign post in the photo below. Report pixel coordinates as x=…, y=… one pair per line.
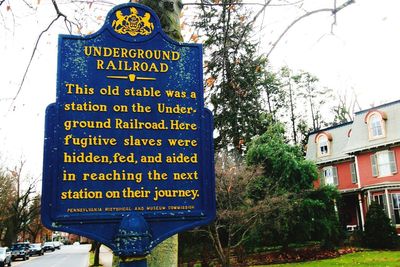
x=134, y=263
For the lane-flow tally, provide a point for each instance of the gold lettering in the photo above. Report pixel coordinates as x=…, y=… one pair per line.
x=81, y=194
x=191, y=193
x=113, y=176
x=121, y=52
x=85, y=106
x=129, y=193
x=100, y=64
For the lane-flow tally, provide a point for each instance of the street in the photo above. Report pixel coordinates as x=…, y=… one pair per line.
x=72, y=255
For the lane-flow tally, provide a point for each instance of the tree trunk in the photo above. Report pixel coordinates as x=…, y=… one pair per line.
x=95, y=248
x=292, y=115
x=96, y=261
x=214, y=235
x=166, y=253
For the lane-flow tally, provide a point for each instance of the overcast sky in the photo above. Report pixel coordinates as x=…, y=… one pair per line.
x=362, y=55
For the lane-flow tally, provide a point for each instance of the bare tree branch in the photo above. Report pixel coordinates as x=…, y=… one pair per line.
x=289, y=3
x=68, y=24
x=29, y=5
x=9, y=10
x=334, y=11
x=31, y=59
x=223, y=4
x=334, y=16
x=242, y=4
x=265, y=5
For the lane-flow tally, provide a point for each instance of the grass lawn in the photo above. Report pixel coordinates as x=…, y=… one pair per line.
x=366, y=258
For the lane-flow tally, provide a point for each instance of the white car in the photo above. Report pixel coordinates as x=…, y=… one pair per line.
x=5, y=256
x=57, y=244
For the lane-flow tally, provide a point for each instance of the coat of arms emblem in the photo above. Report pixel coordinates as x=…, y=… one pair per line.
x=133, y=24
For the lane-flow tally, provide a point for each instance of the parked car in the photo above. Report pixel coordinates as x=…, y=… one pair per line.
x=48, y=246
x=20, y=250
x=57, y=244
x=5, y=257
x=36, y=249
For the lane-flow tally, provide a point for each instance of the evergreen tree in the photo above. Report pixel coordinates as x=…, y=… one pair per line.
x=302, y=213
x=234, y=74
x=285, y=169
x=274, y=95
x=379, y=232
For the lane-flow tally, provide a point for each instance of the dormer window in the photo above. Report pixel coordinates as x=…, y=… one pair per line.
x=376, y=129
x=324, y=144
x=376, y=124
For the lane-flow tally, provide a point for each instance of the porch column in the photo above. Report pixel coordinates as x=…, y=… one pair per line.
x=361, y=210
x=388, y=204
x=369, y=198
x=357, y=172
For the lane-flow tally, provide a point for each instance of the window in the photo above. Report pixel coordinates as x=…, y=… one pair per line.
x=376, y=125
x=323, y=145
x=329, y=176
x=379, y=200
x=396, y=207
x=383, y=163
x=353, y=173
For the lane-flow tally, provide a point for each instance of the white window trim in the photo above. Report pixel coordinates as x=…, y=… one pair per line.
x=383, y=126
x=319, y=146
x=335, y=177
x=377, y=164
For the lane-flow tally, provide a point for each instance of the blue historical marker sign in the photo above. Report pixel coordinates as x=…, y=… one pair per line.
x=128, y=156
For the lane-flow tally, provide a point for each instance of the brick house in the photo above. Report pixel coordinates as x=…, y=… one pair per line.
x=361, y=158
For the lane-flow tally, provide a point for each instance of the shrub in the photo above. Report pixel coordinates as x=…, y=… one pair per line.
x=379, y=232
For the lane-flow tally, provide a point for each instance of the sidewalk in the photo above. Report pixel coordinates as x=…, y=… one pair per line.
x=106, y=256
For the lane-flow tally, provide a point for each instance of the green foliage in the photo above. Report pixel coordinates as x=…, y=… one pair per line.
x=274, y=223
x=317, y=218
x=255, y=207
x=291, y=218
x=285, y=169
x=235, y=74
x=197, y=246
x=359, y=259
x=275, y=96
x=379, y=232
x=296, y=212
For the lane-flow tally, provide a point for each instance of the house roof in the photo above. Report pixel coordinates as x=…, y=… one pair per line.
x=359, y=138
x=349, y=138
x=339, y=137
